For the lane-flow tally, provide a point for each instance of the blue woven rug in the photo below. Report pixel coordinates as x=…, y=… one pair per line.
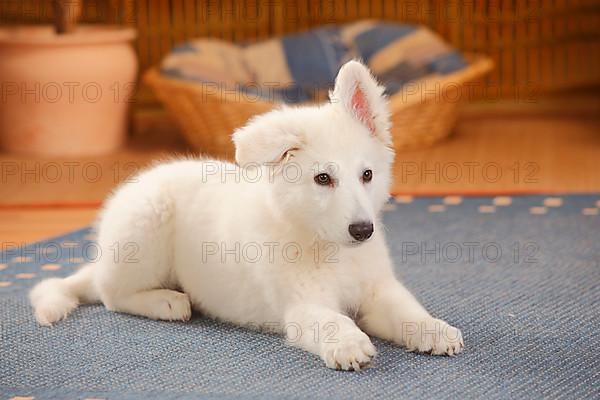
x=520, y=276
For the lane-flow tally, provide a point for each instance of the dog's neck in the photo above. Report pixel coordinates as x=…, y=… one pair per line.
x=289, y=229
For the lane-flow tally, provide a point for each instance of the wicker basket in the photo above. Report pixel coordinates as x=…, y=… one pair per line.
x=420, y=116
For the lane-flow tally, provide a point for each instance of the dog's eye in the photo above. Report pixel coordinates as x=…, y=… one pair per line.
x=323, y=179
x=367, y=175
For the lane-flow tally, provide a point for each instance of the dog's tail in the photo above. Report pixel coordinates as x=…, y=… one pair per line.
x=53, y=299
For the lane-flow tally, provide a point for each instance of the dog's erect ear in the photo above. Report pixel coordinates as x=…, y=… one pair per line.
x=357, y=91
x=266, y=139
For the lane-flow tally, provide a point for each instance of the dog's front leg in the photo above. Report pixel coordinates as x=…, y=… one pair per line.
x=329, y=334
x=391, y=312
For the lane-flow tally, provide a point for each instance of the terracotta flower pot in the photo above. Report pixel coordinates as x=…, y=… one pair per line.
x=65, y=94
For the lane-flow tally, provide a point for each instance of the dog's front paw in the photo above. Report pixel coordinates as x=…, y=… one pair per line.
x=350, y=352
x=433, y=336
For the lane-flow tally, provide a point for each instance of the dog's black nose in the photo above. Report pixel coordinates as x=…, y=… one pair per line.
x=361, y=231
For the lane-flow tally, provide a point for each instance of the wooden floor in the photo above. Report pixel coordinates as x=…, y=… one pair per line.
x=492, y=151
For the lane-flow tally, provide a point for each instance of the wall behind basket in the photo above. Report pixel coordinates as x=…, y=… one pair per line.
x=538, y=46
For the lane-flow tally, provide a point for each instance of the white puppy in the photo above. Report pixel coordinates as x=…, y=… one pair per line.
x=289, y=238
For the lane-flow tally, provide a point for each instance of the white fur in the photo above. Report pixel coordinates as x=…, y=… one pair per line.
x=167, y=225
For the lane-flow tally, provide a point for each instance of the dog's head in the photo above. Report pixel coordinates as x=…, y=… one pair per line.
x=329, y=164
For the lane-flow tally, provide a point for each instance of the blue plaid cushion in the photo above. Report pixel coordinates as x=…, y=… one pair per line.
x=302, y=67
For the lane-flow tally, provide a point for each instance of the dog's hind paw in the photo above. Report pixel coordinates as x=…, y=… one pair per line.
x=176, y=306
